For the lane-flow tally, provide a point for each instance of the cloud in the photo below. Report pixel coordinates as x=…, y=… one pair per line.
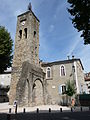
x=53, y=17
x=44, y=49
x=36, y=5
x=43, y=43
x=59, y=8
x=74, y=44
x=17, y=12
x=81, y=51
x=51, y=28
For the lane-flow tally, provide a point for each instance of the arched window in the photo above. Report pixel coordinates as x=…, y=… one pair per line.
x=20, y=34
x=48, y=72
x=34, y=33
x=62, y=70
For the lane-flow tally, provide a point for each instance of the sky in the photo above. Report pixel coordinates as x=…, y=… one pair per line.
x=58, y=38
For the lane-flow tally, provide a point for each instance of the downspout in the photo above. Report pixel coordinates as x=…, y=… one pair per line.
x=76, y=78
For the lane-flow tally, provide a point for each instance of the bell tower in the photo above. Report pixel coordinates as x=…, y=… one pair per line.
x=26, y=49
x=27, y=39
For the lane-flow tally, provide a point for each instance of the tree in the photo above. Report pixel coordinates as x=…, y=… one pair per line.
x=70, y=91
x=80, y=10
x=5, y=49
x=70, y=88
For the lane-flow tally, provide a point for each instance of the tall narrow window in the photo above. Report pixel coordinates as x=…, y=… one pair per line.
x=62, y=70
x=20, y=34
x=34, y=33
x=25, y=31
x=48, y=72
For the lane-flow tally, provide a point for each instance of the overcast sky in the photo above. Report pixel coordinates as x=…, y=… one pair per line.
x=58, y=37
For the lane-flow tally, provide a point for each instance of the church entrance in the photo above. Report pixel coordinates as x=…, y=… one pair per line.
x=38, y=92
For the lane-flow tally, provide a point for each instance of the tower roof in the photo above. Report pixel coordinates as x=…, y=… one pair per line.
x=29, y=10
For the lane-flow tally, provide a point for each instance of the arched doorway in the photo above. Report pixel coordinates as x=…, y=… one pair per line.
x=38, y=92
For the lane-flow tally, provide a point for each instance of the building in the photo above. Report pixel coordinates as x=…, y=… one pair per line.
x=27, y=75
x=5, y=80
x=57, y=75
x=87, y=82
x=32, y=82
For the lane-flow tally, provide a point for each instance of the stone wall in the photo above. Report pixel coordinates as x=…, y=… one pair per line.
x=26, y=49
x=32, y=77
x=56, y=80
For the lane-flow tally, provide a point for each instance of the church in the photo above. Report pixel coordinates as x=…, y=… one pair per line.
x=34, y=82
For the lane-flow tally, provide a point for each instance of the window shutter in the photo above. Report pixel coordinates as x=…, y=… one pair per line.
x=60, y=89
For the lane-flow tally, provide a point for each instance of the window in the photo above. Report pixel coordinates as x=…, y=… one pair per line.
x=20, y=34
x=62, y=70
x=73, y=68
x=48, y=72
x=62, y=89
x=25, y=31
x=34, y=33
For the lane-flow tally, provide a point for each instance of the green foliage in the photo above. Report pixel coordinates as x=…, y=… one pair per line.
x=80, y=10
x=70, y=88
x=5, y=49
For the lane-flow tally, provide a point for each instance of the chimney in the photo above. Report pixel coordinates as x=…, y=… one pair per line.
x=72, y=56
x=68, y=57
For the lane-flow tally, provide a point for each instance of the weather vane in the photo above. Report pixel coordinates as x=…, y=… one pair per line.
x=30, y=6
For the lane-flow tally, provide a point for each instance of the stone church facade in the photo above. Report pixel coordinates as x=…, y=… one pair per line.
x=34, y=83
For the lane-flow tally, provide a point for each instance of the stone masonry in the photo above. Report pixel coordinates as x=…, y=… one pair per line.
x=73, y=71
x=26, y=73
x=33, y=83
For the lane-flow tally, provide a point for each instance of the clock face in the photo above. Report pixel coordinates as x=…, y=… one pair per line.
x=23, y=22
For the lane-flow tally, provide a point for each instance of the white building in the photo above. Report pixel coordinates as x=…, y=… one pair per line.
x=5, y=80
